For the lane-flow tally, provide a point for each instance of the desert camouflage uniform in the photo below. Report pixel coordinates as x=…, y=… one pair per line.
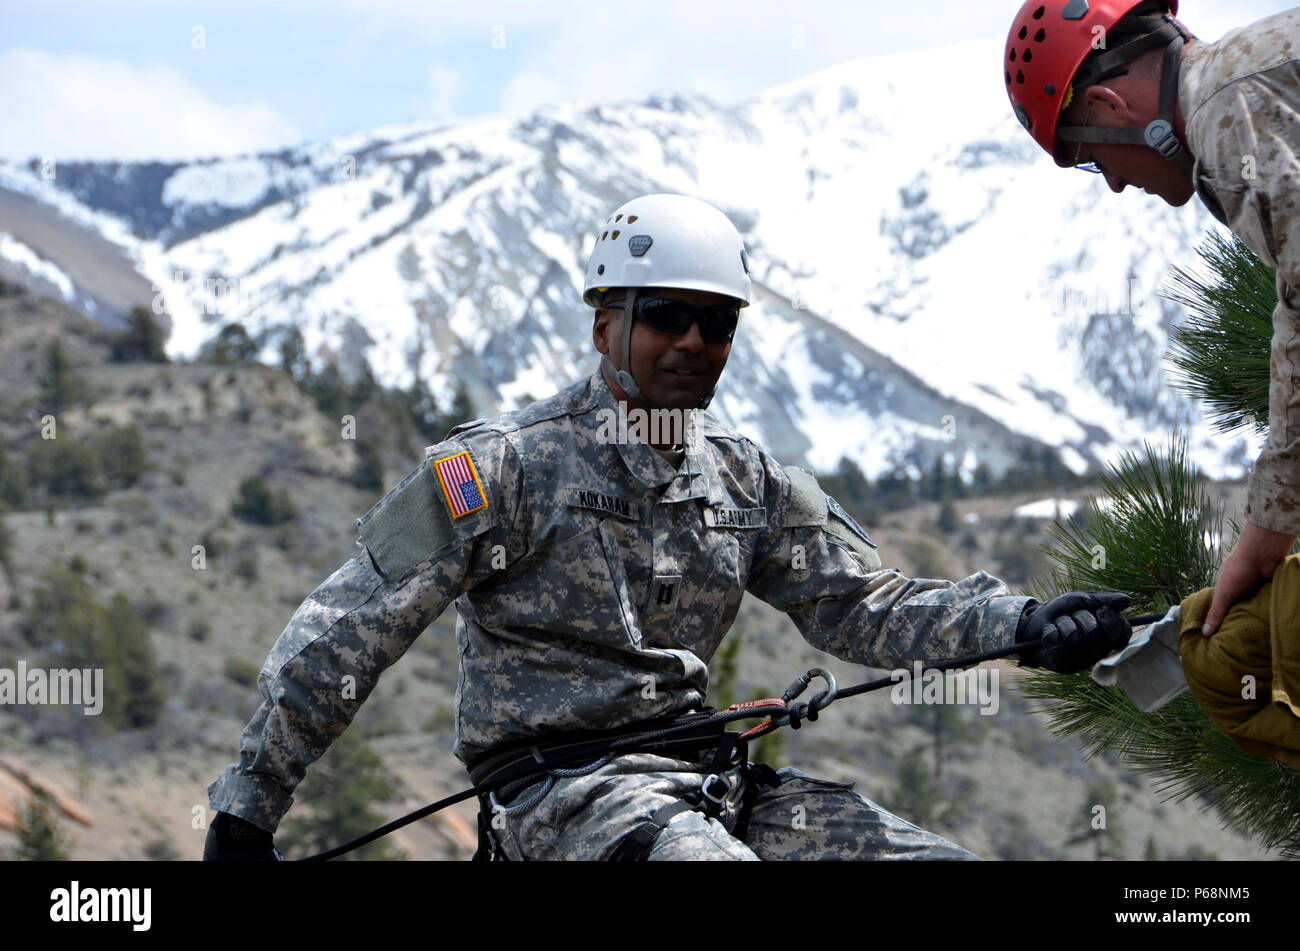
x=1241, y=101
x=592, y=590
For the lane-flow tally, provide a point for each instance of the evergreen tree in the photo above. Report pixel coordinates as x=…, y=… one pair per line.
x=366, y=387
x=76, y=630
x=462, y=411
x=1152, y=854
x=856, y=485
x=340, y=793
x=293, y=355
x=895, y=490
x=935, y=488
x=848, y=486
x=462, y=407
x=122, y=455
x=947, y=522
x=256, y=503
x=140, y=341
x=1092, y=821
x=329, y=392
x=946, y=725
x=60, y=386
x=6, y=546
x=725, y=668
x=1153, y=544
x=133, y=654
x=232, y=346
x=917, y=796
x=67, y=470
x=39, y=836
x=369, y=473
x=13, y=482
x=419, y=405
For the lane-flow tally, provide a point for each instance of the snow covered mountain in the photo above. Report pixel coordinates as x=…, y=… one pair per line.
x=927, y=281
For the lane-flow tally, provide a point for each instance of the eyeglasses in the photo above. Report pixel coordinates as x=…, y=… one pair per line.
x=1091, y=167
x=671, y=316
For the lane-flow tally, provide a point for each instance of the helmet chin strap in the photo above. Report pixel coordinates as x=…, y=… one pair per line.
x=624, y=378
x=1159, y=133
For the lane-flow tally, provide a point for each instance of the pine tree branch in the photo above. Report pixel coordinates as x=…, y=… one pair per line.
x=1221, y=354
x=1153, y=538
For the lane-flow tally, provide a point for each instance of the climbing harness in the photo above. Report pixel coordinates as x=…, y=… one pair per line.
x=501, y=776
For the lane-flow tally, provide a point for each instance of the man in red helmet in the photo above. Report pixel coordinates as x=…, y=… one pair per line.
x=1122, y=88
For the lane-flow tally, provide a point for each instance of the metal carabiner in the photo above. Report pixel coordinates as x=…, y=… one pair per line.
x=823, y=699
x=800, y=684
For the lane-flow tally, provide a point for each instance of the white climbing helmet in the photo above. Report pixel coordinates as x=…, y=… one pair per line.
x=668, y=241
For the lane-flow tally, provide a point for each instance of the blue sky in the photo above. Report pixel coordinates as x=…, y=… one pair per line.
x=177, y=79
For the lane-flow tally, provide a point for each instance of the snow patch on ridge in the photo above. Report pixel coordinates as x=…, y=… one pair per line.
x=11, y=249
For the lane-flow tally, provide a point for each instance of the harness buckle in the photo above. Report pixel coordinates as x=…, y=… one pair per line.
x=712, y=782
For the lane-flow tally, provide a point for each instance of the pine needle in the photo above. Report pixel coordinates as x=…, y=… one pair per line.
x=1220, y=355
x=1147, y=536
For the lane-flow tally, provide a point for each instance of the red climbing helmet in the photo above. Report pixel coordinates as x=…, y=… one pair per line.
x=1048, y=42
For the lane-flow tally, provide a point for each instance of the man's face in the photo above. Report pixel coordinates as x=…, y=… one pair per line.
x=1124, y=165
x=675, y=371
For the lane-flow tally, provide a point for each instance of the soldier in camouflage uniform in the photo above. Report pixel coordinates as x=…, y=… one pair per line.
x=1149, y=105
x=595, y=573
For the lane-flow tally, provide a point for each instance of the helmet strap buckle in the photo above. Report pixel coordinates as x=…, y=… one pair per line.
x=1159, y=135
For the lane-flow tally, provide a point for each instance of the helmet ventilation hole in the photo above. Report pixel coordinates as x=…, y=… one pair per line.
x=1038, y=14
x=1024, y=31
x=1020, y=78
x=600, y=269
x=1013, y=56
x=615, y=238
x=617, y=218
x=1029, y=54
x=1008, y=75
x=604, y=236
x=1038, y=37
x=631, y=218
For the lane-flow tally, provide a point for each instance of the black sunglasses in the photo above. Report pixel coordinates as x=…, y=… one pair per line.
x=675, y=316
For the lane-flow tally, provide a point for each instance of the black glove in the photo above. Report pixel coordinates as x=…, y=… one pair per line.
x=1077, y=630
x=231, y=839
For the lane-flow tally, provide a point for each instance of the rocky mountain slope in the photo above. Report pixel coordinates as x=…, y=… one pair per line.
x=927, y=283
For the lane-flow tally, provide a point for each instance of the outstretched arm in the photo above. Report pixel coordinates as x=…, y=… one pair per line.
x=818, y=566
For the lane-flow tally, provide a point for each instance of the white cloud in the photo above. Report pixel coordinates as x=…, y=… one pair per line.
x=68, y=107
x=580, y=51
x=527, y=89
x=445, y=86
x=568, y=69
x=561, y=51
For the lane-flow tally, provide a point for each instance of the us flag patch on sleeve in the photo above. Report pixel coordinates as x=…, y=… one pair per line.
x=460, y=484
